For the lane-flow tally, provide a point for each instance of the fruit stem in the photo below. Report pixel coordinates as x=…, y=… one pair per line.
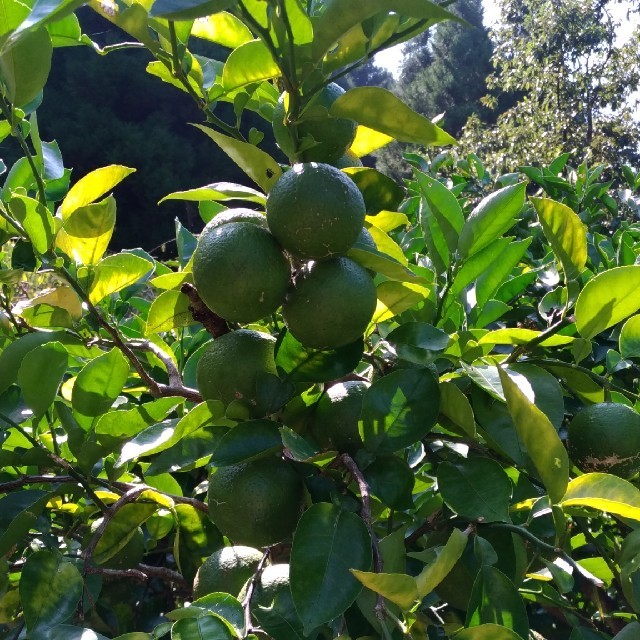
x=246, y=601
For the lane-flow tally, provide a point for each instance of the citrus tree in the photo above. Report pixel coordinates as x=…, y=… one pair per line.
x=343, y=410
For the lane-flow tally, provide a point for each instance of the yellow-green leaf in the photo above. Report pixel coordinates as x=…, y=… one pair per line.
x=396, y=297
x=565, y=232
x=433, y=574
x=168, y=311
x=608, y=298
x=86, y=232
x=257, y=164
x=92, y=186
x=488, y=631
x=116, y=272
x=380, y=110
x=522, y=336
x=398, y=588
x=36, y=220
x=58, y=308
x=388, y=220
x=630, y=338
x=539, y=437
x=457, y=408
x=604, y=492
x=369, y=140
x=248, y=63
x=386, y=244
x=222, y=28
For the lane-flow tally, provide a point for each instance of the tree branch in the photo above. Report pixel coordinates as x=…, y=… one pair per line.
x=213, y=323
x=141, y=573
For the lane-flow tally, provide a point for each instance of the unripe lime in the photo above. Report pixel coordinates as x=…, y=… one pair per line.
x=226, y=570
x=333, y=136
x=315, y=211
x=335, y=423
x=240, y=271
x=330, y=304
x=257, y=503
x=605, y=437
x=230, y=367
x=239, y=214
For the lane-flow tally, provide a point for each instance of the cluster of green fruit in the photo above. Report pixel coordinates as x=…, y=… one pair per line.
x=242, y=266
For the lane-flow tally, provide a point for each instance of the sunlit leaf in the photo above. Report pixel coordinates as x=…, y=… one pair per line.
x=604, y=492
x=395, y=298
x=630, y=338
x=368, y=140
x=116, y=272
x=187, y=9
x=250, y=62
x=398, y=588
x=169, y=311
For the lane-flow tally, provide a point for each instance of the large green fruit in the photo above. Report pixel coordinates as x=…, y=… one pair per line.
x=333, y=136
x=257, y=503
x=605, y=437
x=330, y=304
x=335, y=422
x=240, y=271
x=226, y=571
x=315, y=211
x=239, y=214
x=231, y=366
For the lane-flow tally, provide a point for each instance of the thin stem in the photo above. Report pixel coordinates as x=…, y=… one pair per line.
x=246, y=601
x=17, y=134
x=178, y=73
x=142, y=573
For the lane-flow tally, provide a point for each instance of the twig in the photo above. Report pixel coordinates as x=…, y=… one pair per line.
x=196, y=504
x=128, y=497
x=213, y=323
x=246, y=601
x=20, y=482
x=141, y=573
x=365, y=513
x=539, y=339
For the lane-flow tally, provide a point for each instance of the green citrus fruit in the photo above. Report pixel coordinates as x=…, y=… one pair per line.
x=226, y=571
x=335, y=423
x=315, y=211
x=257, y=503
x=240, y=271
x=331, y=303
x=605, y=437
x=239, y=214
x=349, y=159
x=230, y=367
x=332, y=136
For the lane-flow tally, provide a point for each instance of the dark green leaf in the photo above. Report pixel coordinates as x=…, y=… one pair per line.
x=418, y=342
x=476, y=488
x=327, y=543
x=495, y=599
x=18, y=514
x=399, y=409
x=379, y=191
x=210, y=627
x=391, y=480
x=247, y=441
x=187, y=9
x=69, y=632
x=50, y=590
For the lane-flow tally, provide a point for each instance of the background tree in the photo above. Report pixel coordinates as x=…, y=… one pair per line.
x=573, y=79
x=445, y=74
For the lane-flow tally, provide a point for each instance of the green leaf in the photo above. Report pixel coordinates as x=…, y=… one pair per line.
x=18, y=514
x=257, y=164
x=114, y=273
x=168, y=311
x=379, y=191
x=608, y=298
x=36, y=220
x=24, y=68
x=539, y=437
x=92, y=186
x=493, y=216
x=455, y=406
x=488, y=631
x=566, y=234
x=50, y=590
x=218, y=192
x=187, y=9
x=121, y=528
x=247, y=441
x=86, y=232
x=383, y=264
x=225, y=606
x=40, y=375
x=630, y=632
x=629, y=340
x=433, y=574
x=60, y=307
x=398, y=588
x=495, y=599
x=164, y=435
x=209, y=626
x=328, y=542
x=69, y=632
x=129, y=422
x=522, y=337
x=391, y=480
x=250, y=62
x=301, y=364
x=99, y=383
x=476, y=489
x=604, y=492
x=379, y=109
x=395, y=298
x=399, y=410
x=418, y=342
